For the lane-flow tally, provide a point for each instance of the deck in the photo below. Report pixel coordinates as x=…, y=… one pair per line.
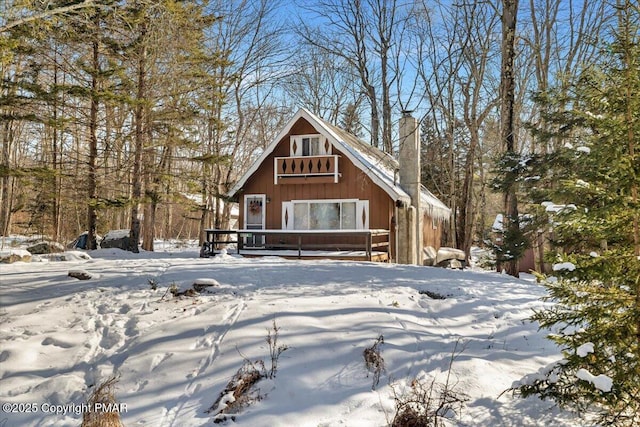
x=369, y=245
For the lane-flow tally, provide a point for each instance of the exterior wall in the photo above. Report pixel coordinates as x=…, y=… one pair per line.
x=353, y=184
x=431, y=236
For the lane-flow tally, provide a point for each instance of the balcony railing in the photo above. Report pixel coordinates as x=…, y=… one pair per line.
x=306, y=169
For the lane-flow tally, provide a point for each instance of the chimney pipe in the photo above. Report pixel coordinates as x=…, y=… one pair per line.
x=410, y=179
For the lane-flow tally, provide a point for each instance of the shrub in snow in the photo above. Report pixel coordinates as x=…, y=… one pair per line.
x=275, y=349
x=373, y=360
x=428, y=402
x=105, y=407
x=240, y=390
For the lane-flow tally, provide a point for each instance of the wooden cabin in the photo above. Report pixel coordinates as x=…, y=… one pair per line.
x=317, y=187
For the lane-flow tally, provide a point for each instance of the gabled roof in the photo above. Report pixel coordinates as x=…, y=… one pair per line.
x=379, y=166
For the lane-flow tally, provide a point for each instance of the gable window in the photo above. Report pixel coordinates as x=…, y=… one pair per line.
x=309, y=145
x=345, y=214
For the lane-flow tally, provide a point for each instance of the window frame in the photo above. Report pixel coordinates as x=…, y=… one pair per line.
x=290, y=208
x=308, y=145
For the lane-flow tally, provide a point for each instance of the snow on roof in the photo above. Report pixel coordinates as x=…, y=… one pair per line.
x=378, y=165
x=433, y=206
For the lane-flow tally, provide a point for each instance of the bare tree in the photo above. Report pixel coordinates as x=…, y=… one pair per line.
x=456, y=65
x=559, y=37
x=362, y=33
x=141, y=55
x=478, y=102
x=323, y=84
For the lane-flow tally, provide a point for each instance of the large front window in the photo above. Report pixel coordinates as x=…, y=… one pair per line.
x=324, y=215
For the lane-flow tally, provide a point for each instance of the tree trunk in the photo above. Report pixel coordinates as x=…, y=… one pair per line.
x=387, y=143
x=150, y=210
x=452, y=238
x=92, y=217
x=507, y=118
x=6, y=199
x=55, y=156
x=139, y=135
x=630, y=96
x=375, y=116
x=151, y=186
x=466, y=218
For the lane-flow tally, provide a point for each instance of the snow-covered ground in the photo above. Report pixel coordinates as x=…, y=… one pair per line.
x=174, y=355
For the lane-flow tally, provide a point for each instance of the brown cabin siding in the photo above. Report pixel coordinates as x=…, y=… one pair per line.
x=431, y=236
x=353, y=184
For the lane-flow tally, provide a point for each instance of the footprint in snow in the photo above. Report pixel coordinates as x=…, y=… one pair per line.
x=158, y=359
x=109, y=339
x=131, y=327
x=103, y=309
x=140, y=385
x=56, y=343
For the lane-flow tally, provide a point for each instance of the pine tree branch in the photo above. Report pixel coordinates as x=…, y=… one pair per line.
x=48, y=13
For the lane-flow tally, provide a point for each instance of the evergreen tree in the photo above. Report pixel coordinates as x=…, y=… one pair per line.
x=595, y=177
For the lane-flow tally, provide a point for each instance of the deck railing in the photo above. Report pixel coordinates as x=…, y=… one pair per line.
x=306, y=169
x=368, y=242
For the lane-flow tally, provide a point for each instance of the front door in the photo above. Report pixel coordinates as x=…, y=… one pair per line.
x=254, y=214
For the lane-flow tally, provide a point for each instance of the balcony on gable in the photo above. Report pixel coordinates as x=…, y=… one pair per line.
x=306, y=170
